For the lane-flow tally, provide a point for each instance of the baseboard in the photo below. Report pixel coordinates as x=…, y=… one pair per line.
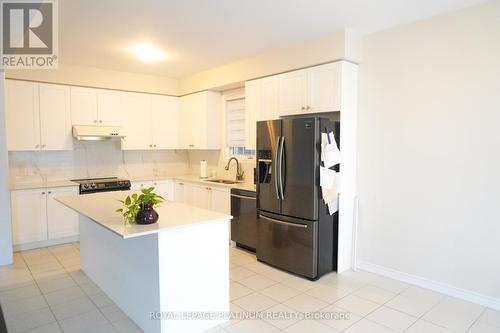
x=443, y=288
x=45, y=243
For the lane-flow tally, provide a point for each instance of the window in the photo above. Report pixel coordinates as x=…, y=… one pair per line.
x=235, y=127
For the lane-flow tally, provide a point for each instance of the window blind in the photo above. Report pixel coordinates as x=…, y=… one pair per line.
x=235, y=123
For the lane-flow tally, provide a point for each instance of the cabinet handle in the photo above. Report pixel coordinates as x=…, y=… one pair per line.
x=37, y=146
x=50, y=192
x=100, y=121
x=95, y=121
x=303, y=108
x=43, y=146
x=150, y=146
x=154, y=146
x=308, y=107
x=43, y=192
x=181, y=183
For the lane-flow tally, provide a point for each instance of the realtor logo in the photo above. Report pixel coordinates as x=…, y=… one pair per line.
x=29, y=34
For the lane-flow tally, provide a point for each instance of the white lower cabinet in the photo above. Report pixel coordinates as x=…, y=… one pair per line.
x=221, y=200
x=61, y=221
x=29, y=216
x=37, y=216
x=202, y=196
x=138, y=185
x=180, y=192
x=165, y=188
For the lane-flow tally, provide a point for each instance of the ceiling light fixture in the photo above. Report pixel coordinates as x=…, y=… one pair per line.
x=147, y=52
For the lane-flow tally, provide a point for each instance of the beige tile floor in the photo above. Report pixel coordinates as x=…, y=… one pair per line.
x=45, y=291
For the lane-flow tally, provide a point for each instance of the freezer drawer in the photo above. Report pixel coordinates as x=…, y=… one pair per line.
x=288, y=243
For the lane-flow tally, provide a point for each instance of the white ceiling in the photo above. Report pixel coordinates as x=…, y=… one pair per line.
x=200, y=34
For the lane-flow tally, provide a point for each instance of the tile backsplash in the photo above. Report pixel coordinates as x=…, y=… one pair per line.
x=90, y=159
x=96, y=159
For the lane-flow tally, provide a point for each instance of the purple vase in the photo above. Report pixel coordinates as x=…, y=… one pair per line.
x=147, y=215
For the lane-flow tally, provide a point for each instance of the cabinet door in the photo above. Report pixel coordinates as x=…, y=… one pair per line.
x=22, y=115
x=83, y=106
x=193, y=111
x=252, y=109
x=137, y=121
x=29, y=218
x=292, y=97
x=324, y=88
x=61, y=221
x=221, y=201
x=269, y=104
x=138, y=185
x=165, y=188
x=55, y=117
x=109, y=107
x=198, y=196
x=180, y=192
x=165, y=122
x=204, y=197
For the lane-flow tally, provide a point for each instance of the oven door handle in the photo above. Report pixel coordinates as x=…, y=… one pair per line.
x=296, y=225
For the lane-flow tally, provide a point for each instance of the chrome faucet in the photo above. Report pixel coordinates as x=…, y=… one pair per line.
x=240, y=174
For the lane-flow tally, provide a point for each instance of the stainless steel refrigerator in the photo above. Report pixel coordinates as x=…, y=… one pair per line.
x=295, y=231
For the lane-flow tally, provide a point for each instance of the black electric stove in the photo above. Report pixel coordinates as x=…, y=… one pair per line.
x=94, y=185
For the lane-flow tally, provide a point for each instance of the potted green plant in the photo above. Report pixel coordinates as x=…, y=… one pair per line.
x=140, y=208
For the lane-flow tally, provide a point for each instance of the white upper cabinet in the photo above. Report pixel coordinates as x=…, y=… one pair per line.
x=22, y=115
x=165, y=122
x=84, y=106
x=311, y=90
x=109, y=107
x=200, y=120
x=38, y=116
x=90, y=106
x=324, y=88
x=137, y=121
x=150, y=122
x=292, y=88
x=253, y=106
x=269, y=99
x=55, y=117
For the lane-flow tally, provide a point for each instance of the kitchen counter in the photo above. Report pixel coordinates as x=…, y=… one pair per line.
x=179, y=265
x=101, y=208
x=34, y=183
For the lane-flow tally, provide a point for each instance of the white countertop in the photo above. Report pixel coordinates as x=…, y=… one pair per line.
x=101, y=208
x=34, y=183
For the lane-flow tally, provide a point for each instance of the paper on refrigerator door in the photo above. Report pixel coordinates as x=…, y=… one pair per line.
x=329, y=194
x=326, y=177
x=330, y=153
x=333, y=206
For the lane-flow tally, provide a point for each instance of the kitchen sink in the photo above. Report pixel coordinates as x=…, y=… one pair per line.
x=222, y=181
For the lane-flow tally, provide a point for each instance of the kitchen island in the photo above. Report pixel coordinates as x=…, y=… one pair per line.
x=164, y=275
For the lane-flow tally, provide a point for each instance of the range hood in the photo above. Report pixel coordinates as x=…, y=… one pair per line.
x=97, y=133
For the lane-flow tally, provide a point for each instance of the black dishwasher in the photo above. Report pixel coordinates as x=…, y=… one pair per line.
x=244, y=222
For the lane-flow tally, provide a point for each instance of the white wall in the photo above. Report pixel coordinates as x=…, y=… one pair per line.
x=429, y=157
x=99, y=78
x=338, y=45
x=5, y=233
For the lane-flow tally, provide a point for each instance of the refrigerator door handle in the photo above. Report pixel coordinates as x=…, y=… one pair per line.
x=276, y=168
x=283, y=222
x=282, y=168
